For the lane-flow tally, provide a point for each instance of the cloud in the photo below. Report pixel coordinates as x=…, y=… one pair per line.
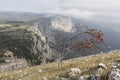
x=73, y=12
x=101, y=12
x=105, y=12
x=89, y=7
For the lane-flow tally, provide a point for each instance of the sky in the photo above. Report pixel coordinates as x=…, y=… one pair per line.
x=103, y=12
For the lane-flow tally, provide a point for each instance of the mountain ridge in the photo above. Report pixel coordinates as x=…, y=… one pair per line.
x=28, y=37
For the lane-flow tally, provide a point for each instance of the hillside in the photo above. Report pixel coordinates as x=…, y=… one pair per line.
x=52, y=72
x=23, y=42
x=28, y=39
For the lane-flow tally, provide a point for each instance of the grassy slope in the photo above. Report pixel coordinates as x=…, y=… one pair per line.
x=51, y=71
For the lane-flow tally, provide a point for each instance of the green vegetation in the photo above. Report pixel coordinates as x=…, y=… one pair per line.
x=16, y=39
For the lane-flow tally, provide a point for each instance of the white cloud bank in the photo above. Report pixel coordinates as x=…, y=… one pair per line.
x=105, y=12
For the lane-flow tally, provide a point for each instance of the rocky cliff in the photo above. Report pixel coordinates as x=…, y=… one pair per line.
x=24, y=42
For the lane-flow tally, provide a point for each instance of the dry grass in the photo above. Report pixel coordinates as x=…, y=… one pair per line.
x=51, y=71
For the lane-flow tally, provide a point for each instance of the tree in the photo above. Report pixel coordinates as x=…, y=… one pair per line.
x=83, y=38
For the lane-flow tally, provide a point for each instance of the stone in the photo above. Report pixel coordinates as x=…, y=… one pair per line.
x=9, y=54
x=45, y=78
x=101, y=52
x=64, y=79
x=40, y=71
x=74, y=72
x=84, y=77
x=115, y=65
x=21, y=75
x=11, y=77
x=114, y=74
x=25, y=73
x=19, y=71
x=94, y=77
x=81, y=78
x=118, y=66
x=100, y=70
x=101, y=65
x=7, y=61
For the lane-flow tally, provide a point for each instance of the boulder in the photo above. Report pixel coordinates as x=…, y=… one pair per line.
x=100, y=67
x=74, y=72
x=114, y=74
x=82, y=78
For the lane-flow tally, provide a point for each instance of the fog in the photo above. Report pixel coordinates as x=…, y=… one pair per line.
x=104, y=13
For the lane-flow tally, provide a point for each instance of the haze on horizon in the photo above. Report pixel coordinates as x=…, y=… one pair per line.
x=105, y=13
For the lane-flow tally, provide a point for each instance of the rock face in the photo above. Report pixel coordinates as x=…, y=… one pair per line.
x=54, y=25
x=16, y=64
x=41, y=49
x=10, y=62
x=114, y=74
x=23, y=42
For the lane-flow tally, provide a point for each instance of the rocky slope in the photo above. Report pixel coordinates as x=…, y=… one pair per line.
x=52, y=26
x=23, y=43
x=104, y=66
